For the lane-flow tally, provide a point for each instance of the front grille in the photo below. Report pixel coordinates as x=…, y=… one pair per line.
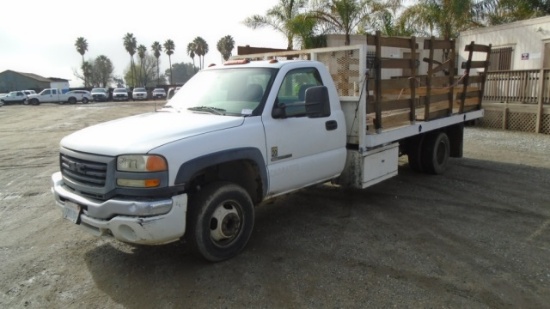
x=83, y=172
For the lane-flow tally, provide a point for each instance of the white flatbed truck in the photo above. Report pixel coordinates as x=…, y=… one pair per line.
x=247, y=131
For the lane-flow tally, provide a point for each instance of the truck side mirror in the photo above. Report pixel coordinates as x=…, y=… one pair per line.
x=279, y=111
x=317, y=102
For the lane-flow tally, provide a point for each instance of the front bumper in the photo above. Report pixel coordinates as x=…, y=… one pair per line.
x=139, y=228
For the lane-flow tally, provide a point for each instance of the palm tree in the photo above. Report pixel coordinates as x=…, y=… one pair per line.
x=157, y=49
x=82, y=47
x=169, y=48
x=506, y=11
x=444, y=18
x=87, y=71
x=348, y=16
x=141, y=50
x=279, y=18
x=225, y=46
x=130, y=44
x=191, y=52
x=201, y=49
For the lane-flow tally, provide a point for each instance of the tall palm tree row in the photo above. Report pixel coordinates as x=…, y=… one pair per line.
x=82, y=47
x=130, y=44
x=157, y=49
x=169, y=47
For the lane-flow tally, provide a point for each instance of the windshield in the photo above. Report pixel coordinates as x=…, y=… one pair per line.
x=98, y=90
x=139, y=90
x=233, y=92
x=120, y=90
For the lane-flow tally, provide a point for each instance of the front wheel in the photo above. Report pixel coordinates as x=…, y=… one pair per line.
x=85, y=100
x=220, y=221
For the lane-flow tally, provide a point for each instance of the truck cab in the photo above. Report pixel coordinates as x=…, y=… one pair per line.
x=233, y=136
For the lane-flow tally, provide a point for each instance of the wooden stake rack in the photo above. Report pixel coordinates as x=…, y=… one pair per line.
x=440, y=93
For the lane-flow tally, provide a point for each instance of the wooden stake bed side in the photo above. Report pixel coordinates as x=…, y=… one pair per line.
x=403, y=101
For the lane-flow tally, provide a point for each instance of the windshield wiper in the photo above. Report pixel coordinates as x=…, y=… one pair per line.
x=213, y=110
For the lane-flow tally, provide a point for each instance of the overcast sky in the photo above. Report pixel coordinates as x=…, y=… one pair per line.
x=39, y=36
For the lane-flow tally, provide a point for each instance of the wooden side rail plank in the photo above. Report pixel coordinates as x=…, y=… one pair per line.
x=475, y=64
x=396, y=63
x=438, y=44
x=478, y=48
x=392, y=104
x=390, y=41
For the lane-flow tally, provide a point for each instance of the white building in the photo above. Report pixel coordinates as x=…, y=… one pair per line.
x=521, y=45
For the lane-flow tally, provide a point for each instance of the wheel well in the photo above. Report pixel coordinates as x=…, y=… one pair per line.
x=244, y=173
x=455, y=134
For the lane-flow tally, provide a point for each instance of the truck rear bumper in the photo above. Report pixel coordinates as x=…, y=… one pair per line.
x=148, y=230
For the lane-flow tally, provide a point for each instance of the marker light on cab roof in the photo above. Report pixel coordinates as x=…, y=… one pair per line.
x=234, y=62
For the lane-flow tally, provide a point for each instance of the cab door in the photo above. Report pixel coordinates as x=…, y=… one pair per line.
x=301, y=151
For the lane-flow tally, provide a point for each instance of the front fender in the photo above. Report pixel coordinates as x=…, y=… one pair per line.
x=188, y=169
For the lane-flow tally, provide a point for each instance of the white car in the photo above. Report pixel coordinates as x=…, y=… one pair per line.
x=29, y=92
x=139, y=94
x=159, y=93
x=83, y=96
x=120, y=94
x=15, y=97
x=100, y=94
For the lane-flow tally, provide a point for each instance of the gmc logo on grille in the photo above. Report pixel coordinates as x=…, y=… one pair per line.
x=77, y=167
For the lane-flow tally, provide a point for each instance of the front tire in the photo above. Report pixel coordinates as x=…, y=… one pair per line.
x=220, y=221
x=85, y=100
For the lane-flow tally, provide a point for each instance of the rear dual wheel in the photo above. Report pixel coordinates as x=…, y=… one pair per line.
x=430, y=153
x=220, y=221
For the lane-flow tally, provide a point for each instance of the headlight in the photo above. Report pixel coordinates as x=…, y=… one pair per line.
x=141, y=163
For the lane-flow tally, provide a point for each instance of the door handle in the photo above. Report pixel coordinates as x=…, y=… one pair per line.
x=331, y=125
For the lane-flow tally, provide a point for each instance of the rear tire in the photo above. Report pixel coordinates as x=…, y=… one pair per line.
x=220, y=221
x=85, y=100
x=435, y=153
x=72, y=100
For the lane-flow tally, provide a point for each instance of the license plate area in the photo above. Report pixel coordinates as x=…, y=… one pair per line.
x=72, y=211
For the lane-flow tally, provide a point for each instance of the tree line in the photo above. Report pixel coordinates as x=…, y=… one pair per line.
x=305, y=23
x=98, y=72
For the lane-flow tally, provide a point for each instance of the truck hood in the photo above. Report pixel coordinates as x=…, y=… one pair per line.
x=142, y=133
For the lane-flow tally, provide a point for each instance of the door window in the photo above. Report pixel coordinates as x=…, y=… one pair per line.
x=291, y=95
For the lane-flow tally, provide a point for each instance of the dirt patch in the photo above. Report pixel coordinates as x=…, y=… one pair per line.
x=476, y=237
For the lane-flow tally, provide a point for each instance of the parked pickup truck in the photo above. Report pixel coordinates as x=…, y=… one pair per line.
x=54, y=95
x=247, y=131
